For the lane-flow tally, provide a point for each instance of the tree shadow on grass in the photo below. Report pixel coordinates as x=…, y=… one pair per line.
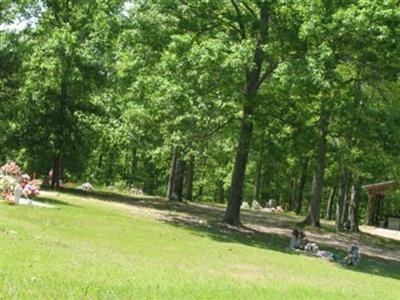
x=227, y=234
x=52, y=201
x=247, y=236
x=106, y=196
x=205, y=220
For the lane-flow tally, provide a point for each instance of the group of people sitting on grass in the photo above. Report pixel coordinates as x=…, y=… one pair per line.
x=299, y=242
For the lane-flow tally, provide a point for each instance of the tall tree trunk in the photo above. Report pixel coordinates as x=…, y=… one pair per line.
x=313, y=217
x=172, y=174
x=201, y=191
x=99, y=163
x=220, y=195
x=134, y=164
x=254, y=79
x=202, y=174
x=179, y=179
x=127, y=168
x=355, y=204
x=111, y=164
x=292, y=196
x=331, y=200
x=60, y=130
x=345, y=214
x=189, y=179
x=232, y=214
x=341, y=199
x=149, y=181
x=55, y=179
x=302, y=185
x=257, y=181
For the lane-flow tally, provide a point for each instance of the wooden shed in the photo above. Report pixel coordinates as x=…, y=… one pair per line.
x=376, y=194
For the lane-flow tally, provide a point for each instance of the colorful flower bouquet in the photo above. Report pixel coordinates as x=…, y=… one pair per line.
x=32, y=188
x=7, y=183
x=11, y=178
x=7, y=186
x=11, y=169
x=9, y=198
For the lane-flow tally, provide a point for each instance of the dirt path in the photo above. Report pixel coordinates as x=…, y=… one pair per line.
x=382, y=232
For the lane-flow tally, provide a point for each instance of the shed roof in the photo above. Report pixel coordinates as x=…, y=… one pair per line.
x=381, y=187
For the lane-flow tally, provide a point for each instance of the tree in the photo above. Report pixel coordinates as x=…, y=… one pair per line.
x=66, y=65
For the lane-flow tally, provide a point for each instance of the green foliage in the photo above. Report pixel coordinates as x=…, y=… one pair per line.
x=113, y=90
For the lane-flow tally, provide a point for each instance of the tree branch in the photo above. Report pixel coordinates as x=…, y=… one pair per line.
x=249, y=9
x=239, y=19
x=253, y=76
x=218, y=128
x=268, y=72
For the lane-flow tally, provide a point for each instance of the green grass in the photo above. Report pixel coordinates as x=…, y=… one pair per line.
x=88, y=249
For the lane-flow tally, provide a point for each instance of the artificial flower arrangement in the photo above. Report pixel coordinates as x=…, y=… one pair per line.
x=32, y=188
x=11, y=169
x=7, y=183
x=7, y=187
x=10, y=178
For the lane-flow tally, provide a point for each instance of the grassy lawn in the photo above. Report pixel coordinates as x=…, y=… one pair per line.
x=89, y=249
